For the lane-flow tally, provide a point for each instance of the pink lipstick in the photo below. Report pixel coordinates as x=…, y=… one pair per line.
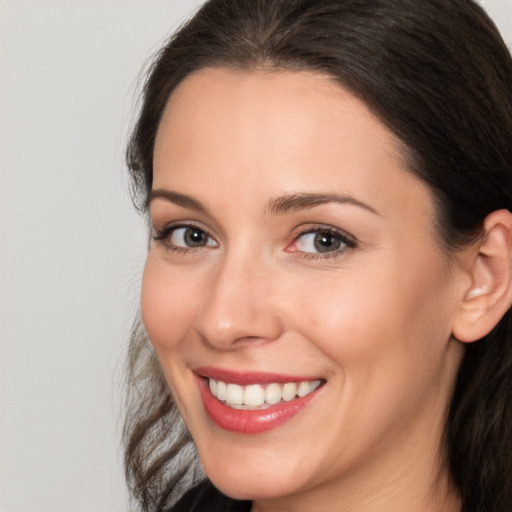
x=253, y=402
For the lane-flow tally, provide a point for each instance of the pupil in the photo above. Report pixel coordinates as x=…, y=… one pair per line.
x=195, y=237
x=325, y=242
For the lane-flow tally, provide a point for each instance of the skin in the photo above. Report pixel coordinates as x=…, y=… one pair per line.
x=374, y=321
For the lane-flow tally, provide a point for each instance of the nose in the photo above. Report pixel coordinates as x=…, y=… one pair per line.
x=240, y=305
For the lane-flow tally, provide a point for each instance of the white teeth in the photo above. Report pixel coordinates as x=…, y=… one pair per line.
x=234, y=394
x=272, y=394
x=307, y=387
x=289, y=391
x=221, y=390
x=256, y=396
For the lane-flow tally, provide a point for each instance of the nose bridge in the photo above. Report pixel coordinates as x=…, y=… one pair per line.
x=239, y=304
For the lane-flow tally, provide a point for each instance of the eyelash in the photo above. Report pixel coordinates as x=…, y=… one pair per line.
x=348, y=241
x=164, y=235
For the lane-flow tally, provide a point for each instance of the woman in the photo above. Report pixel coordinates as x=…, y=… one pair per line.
x=327, y=288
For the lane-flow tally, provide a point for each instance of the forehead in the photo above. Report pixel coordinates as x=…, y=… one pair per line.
x=275, y=132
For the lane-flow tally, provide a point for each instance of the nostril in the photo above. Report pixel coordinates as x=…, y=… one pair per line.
x=242, y=328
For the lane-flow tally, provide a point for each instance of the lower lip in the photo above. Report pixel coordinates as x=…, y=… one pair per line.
x=250, y=422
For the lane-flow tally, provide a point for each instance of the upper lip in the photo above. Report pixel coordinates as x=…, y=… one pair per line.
x=245, y=378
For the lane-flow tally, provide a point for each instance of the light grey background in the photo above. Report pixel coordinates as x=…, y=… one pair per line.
x=72, y=248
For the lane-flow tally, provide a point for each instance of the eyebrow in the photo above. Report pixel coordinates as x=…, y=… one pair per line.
x=304, y=201
x=177, y=199
x=278, y=206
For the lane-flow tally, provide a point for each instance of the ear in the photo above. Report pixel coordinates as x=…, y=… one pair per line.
x=488, y=295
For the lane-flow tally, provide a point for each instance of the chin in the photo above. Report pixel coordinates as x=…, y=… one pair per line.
x=251, y=489
x=256, y=481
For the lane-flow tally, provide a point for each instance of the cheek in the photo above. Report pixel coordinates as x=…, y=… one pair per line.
x=387, y=360
x=168, y=310
x=168, y=303
x=387, y=318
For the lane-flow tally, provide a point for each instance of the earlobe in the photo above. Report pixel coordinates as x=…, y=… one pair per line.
x=489, y=295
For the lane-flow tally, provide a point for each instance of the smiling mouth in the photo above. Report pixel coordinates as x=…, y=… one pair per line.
x=260, y=396
x=254, y=402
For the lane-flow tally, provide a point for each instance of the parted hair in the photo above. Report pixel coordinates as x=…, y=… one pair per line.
x=439, y=76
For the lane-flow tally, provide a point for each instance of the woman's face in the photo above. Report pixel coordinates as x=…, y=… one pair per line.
x=293, y=253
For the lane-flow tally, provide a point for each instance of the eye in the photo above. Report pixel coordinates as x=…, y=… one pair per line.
x=322, y=241
x=190, y=237
x=185, y=237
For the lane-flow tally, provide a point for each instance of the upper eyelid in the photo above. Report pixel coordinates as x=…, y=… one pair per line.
x=163, y=237
x=167, y=218
x=166, y=230
x=326, y=228
x=299, y=231
x=349, y=243
x=168, y=226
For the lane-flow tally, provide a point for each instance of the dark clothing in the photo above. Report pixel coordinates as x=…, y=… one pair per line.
x=206, y=498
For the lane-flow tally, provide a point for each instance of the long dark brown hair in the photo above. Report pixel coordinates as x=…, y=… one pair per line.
x=439, y=76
